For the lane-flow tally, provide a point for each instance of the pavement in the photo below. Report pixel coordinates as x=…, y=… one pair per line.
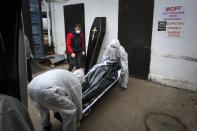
x=143, y=106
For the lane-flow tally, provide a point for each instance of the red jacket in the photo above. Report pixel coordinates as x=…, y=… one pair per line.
x=69, y=43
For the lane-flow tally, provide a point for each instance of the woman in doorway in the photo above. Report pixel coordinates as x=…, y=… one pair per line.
x=75, y=47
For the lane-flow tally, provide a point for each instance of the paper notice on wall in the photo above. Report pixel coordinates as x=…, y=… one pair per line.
x=174, y=18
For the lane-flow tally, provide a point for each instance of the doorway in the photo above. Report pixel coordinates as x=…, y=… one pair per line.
x=135, y=32
x=74, y=14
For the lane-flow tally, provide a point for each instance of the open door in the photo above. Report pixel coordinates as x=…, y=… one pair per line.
x=74, y=14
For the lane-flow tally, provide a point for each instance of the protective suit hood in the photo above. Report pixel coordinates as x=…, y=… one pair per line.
x=115, y=44
x=80, y=75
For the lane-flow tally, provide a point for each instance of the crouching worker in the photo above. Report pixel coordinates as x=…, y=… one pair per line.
x=59, y=91
x=116, y=52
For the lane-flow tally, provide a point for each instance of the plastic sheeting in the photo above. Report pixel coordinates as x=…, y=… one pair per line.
x=99, y=79
x=14, y=115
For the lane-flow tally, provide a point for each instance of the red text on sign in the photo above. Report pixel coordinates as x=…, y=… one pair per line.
x=174, y=8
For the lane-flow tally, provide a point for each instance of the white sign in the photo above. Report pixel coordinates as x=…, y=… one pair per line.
x=174, y=17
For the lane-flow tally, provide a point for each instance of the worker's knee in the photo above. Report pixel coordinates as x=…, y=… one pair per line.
x=69, y=114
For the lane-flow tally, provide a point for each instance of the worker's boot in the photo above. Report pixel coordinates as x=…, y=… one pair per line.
x=123, y=88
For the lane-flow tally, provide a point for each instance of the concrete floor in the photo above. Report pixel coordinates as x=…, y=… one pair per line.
x=127, y=110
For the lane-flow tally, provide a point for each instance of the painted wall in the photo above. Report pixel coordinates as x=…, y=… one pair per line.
x=174, y=60
x=93, y=8
x=58, y=27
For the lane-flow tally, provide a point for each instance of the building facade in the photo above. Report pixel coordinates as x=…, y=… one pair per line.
x=159, y=35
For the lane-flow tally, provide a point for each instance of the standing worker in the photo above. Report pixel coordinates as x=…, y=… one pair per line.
x=60, y=91
x=75, y=47
x=116, y=52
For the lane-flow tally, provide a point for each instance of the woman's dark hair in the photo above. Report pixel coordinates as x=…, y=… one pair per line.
x=77, y=25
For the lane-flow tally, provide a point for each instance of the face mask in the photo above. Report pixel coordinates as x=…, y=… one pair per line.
x=113, y=49
x=77, y=31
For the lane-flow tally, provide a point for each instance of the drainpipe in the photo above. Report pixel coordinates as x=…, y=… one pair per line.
x=50, y=16
x=48, y=22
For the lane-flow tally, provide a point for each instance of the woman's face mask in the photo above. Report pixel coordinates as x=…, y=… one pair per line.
x=77, y=31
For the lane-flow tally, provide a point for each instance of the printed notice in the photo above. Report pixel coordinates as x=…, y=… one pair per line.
x=174, y=18
x=161, y=26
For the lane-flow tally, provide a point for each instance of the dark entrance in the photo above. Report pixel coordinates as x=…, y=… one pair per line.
x=135, y=31
x=74, y=14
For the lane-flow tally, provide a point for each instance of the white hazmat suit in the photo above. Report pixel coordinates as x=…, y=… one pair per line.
x=116, y=52
x=60, y=91
x=14, y=115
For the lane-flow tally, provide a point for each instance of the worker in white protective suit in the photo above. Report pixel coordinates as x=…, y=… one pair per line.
x=60, y=91
x=14, y=115
x=116, y=52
